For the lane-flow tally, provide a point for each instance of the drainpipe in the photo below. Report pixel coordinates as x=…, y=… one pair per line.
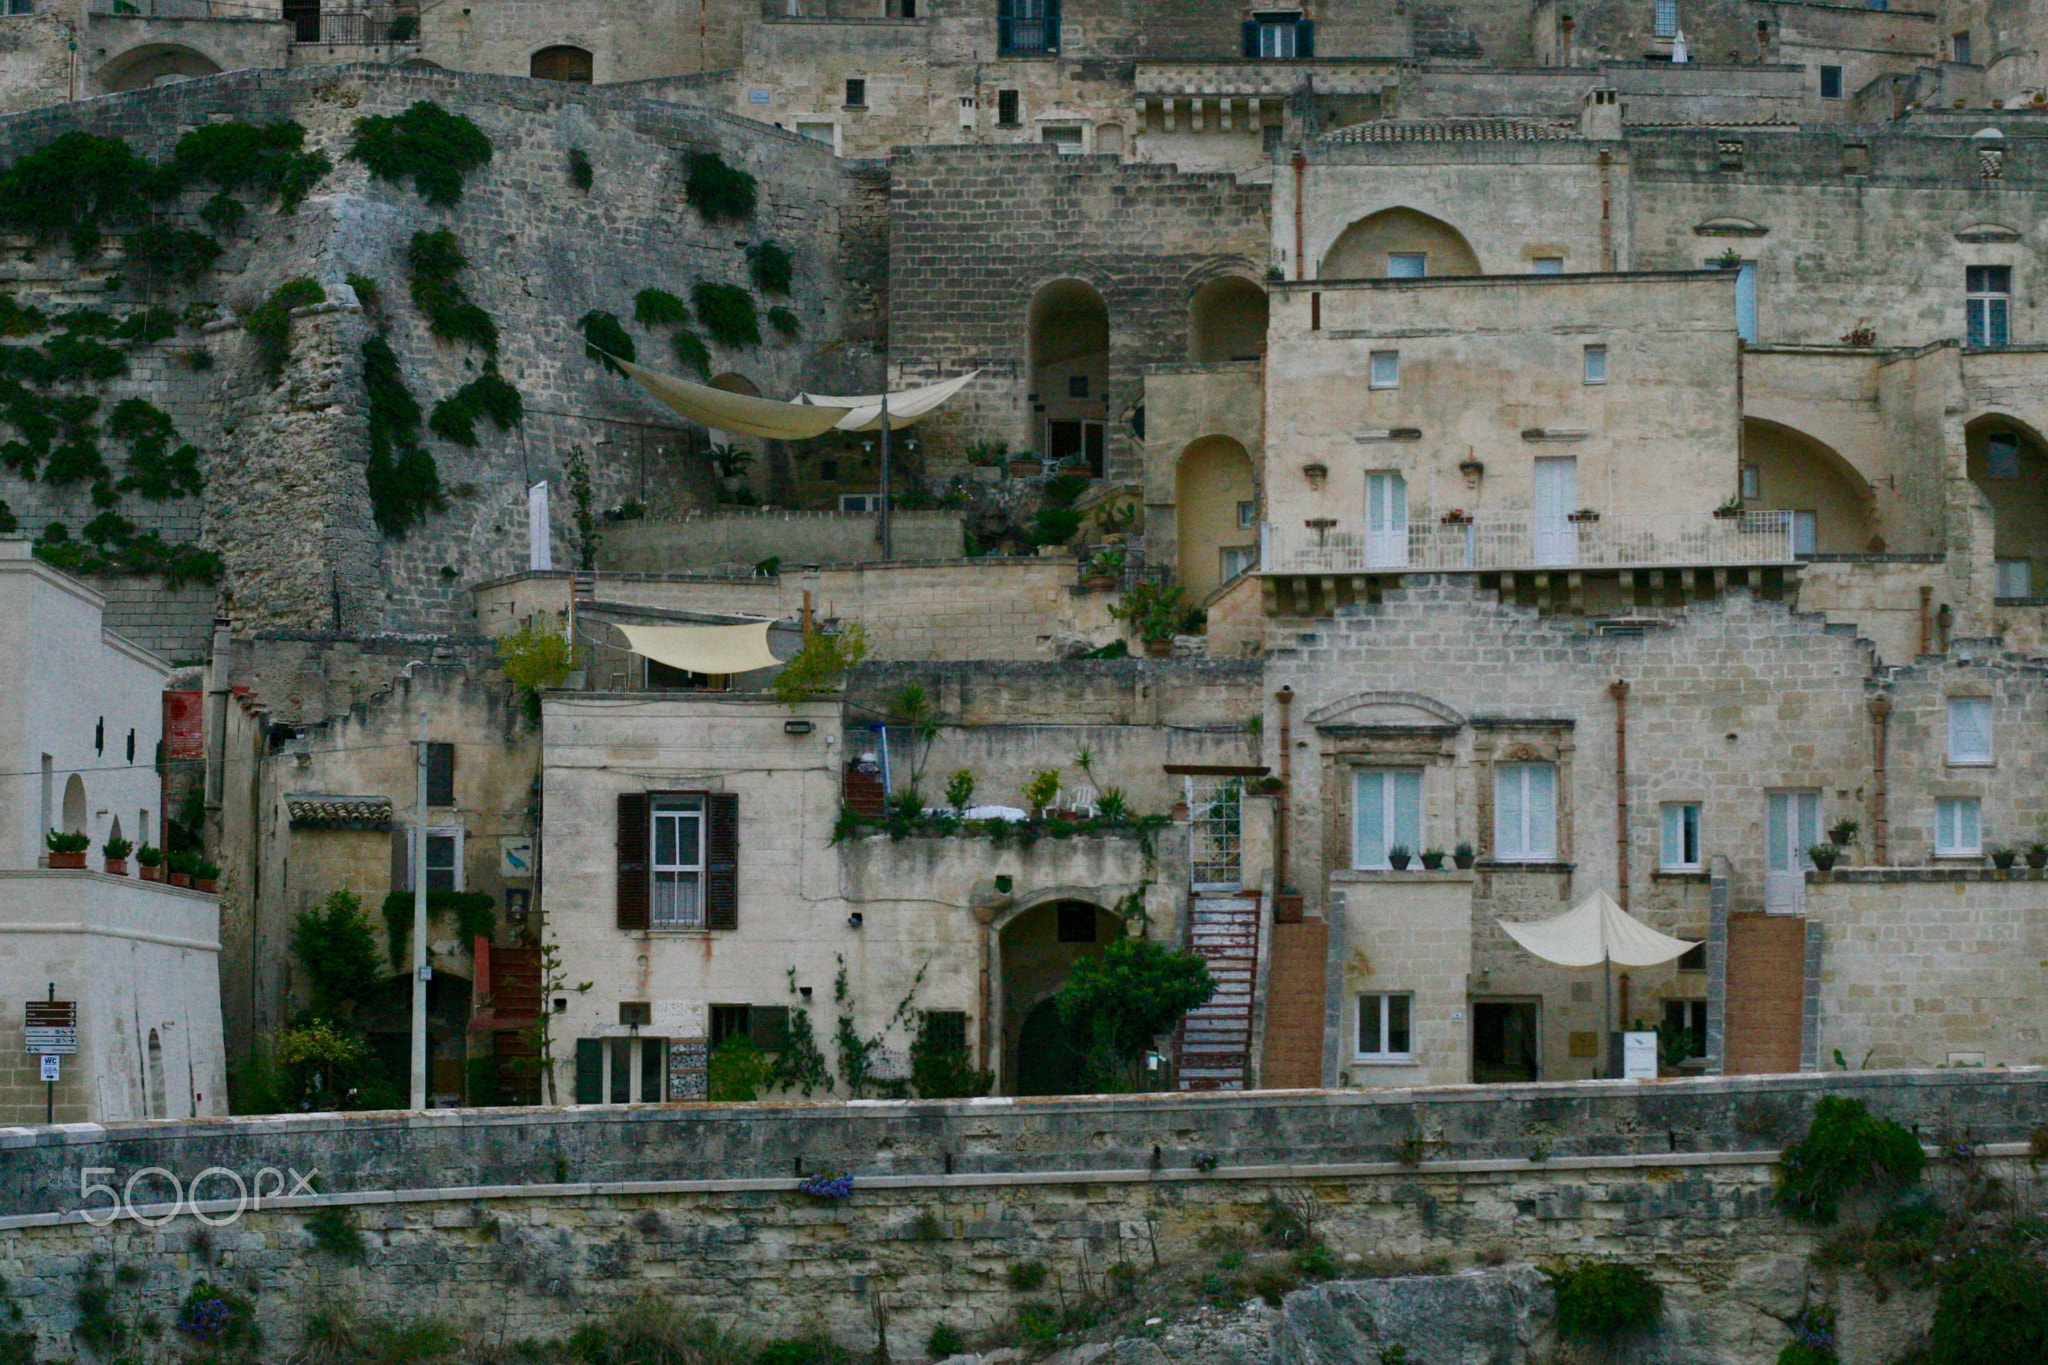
x=1880, y=822
x=1285, y=696
x=1300, y=235
x=1926, y=616
x=1619, y=691
x=1606, y=212
x=217, y=719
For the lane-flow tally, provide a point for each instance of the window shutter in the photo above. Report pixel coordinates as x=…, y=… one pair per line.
x=1305, y=38
x=1251, y=39
x=589, y=1071
x=768, y=1027
x=1408, y=809
x=722, y=861
x=440, y=774
x=1507, y=813
x=1368, y=822
x=1972, y=838
x=1674, y=836
x=401, y=860
x=1542, y=811
x=633, y=836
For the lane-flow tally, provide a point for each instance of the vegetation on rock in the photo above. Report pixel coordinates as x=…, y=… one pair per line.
x=404, y=483
x=426, y=144
x=719, y=192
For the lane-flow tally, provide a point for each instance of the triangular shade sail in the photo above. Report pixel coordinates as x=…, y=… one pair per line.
x=1596, y=931
x=813, y=415
x=704, y=649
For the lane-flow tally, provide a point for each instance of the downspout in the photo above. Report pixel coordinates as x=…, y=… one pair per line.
x=1300, y=233
x=217, y=722
x=1619, y=691
x=1285, y=696
x=1926, y=617
x=1880, y=821
x=1606, y=211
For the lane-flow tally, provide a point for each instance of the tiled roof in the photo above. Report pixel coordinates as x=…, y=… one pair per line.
x=339, y=812
x=1454, y=130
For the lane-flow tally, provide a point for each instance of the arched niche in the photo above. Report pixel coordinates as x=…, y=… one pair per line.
x=1790, y=471
x=1213, y=486
x=563, y=62
x=2008, y=462
x=1039, y=947
x=1367, y=250
x=155, y=64
x=1227, y=321
x=74, y=804
x=1069, y=348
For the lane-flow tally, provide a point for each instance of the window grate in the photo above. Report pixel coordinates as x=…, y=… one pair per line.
x=1215, y=831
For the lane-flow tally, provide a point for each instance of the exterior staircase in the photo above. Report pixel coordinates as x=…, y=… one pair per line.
x=1213, y=1048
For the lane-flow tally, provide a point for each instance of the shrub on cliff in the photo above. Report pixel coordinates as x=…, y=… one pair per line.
x=1844, y=1150
x=1605, y=1301
x=426, y=144
x=720, y=192
x=1993, y=1307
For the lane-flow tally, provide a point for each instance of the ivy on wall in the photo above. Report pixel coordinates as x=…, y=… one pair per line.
x=721, y=193
x=488, y=395
x=112, y=545
x=269, y=324
x=770, y=266
x=404, y=483
x=727, y=312
x=434, y=261
x=427, y=145
x=270, y=160
x=604, y=337
x=155, y=470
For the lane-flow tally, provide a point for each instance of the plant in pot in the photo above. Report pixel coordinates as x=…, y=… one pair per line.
x=151, y=860
x=1040, y=791
x=1843, y=834
x=2037, y=856
x=1269, y=785
x=731, y=463
x=1823, y=856
x=1399, y=856
x=1433, y=859
x=116, y=851
x=1154, y=612
x=179, y=867
x=1462, y=856
x=1104, y=567
x=67, y=850
x=205, y=875
x=2004, y=858
x=1730, y=509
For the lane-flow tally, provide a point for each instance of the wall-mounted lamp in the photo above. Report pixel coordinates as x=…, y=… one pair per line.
x=797, y=727
x=1473, y=470
x=1316, y=474
x=804, y=991
x=855, y=920
x=1004, y=881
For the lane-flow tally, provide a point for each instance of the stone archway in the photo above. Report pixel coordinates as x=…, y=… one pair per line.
x=1787, y=470
x=1213, y=487
x=1069, y=343
x=155, y=64
x=2007, y=461
x=1039, y=946
x=1386, y=245
x=1227, y=321
x=563, y=62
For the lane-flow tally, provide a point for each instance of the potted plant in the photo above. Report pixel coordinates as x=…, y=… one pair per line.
x=1432, y=860
x=1844, y=832
x=1730, y=509
x=1398, y=857
x=988, y=454
x=1104, y=567
x=1462, y=856
x=2004, y=858
x=732, y=464
x=1585, y=516
x=179, y=866
x=205, y=876
x=1040, y=791
x=116, y=851
x=1823, y=857
x=151, y=860
x=1457, y=516
x=67, y=850
x=1268, y=785
x=2037, y=856
x=1154, y=612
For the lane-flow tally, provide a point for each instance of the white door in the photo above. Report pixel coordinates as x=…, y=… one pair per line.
x=1386, y=521
x=1556, y=538
x=1791, y=826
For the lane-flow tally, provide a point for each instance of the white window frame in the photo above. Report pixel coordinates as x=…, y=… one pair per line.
x=1678, y=825
x=1596, y=364
x=1234, y=560
x=1520, y=837
x=434, y=832
x=1983, y=307
x=1248, y=514
x=1384, y=370
x=673, y=916
x=1068, y=139
x=1959, y=827
x=1420, y=271
x=1752, y=482
x=1546, y=265
x=1381, y=1005
x=1279, y=39
x=1969, y=732
x=1378, y=820
x=1801, y=816
x=2015, y=578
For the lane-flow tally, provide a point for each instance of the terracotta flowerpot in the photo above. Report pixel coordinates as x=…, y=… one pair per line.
x=153, y=874
x=73, y=861
x=206, y=884
x=1159, y=649
x=117, y=867
x=1099, y=582
x=181, y=879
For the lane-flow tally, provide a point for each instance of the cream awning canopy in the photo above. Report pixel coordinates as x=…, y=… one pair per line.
x=704, y=649
x=811, y=415
x=1596, y=931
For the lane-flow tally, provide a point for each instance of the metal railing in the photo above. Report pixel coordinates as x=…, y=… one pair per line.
x=355, y=28
x=1612, y=541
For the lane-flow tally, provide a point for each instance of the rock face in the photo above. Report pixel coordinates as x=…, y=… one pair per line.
x=1480, y=1317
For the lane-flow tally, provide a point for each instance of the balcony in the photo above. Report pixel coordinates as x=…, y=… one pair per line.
x=1313, y=566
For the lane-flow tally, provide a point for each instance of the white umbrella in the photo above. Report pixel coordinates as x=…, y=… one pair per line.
x=1597, y=933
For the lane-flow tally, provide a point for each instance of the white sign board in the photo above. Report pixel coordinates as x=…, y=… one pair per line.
x=515, y=857
x=50, y=1065
x=1639, y=1056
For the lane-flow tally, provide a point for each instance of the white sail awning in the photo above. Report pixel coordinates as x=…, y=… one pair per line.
x=1596, y=931
x=812, y=415
x=704, y=649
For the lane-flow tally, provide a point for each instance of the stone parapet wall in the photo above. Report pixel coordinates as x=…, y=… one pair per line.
x=795, y=538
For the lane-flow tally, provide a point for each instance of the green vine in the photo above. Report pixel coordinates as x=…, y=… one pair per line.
x=784, y=321
x=659, y=308
x=473, y=912
x=404, y=484
x=155, y=471
x=435, y=260
x=577, y=471
x=1844, y=1149
x=800, y=1066
x=176, y=253
x=269, y=324
x=719, y=192
x=691, y=351
x=269, y=159
x=604, y=338
x=68, y=187
x=488, y=395
x=727, y=312
x=17, y=320
x=580, y=174
x=112, y=545
x=770, y=266
x=433, y=148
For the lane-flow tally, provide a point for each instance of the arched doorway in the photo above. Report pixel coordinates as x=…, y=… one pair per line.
x=2008, y=462
x=1785, y=470
x=1396, y=244
x=1070, y=374
x=155, y=64
x=74, y=804
x=563, y=63
x=1216, y=510
x=1039, y=947
x=1227, y=321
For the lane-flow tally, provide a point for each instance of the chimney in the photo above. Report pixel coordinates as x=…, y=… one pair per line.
x=1600, y=116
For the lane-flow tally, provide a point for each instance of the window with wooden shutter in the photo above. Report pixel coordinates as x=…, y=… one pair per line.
x=590, y=1071
x=769, y=1027
x=722, y=861
x=440, y=774
x=632, y=860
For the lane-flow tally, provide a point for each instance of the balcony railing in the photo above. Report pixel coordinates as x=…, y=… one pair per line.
x=353, y=28
x=1611, y=541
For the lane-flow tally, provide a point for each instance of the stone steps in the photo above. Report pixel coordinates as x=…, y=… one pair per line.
x=1212, y=1050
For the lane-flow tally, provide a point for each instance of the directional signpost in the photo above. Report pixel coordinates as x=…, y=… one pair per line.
x=51, y=1028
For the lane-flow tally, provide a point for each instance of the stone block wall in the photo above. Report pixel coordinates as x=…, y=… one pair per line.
x=795, y=538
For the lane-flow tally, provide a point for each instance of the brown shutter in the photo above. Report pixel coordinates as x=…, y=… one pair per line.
x=634, y=836
x=768, y=1025
x=722, y=861
x=401, y=861
x=440, y=774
